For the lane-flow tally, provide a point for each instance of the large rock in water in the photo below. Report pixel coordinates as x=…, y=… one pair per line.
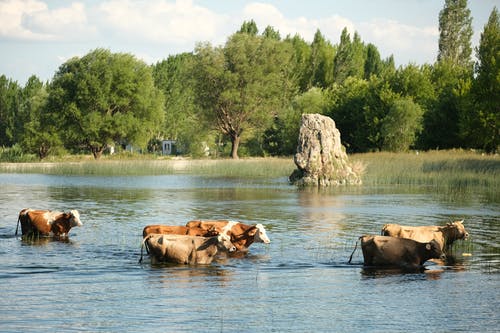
x=321, y=159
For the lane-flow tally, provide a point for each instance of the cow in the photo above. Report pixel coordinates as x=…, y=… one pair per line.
x=183, y=249
x=242, y=235
x=178, y=230
x=387, y=251
x=47, y=222
x=444, y=235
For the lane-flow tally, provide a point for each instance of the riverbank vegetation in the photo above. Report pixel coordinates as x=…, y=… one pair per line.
x=455, y=169
x=246, y=97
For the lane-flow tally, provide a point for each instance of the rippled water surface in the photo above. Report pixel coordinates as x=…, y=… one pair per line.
x=301, y=282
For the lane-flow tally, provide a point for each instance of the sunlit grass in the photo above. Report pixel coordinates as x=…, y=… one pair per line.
x=457, y=169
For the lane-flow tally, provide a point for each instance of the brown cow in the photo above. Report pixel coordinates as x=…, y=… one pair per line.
x=445, y=235
x=178, y=230
x=47, y=223
x=242, y=235
x=398, y=252
x=182, y=249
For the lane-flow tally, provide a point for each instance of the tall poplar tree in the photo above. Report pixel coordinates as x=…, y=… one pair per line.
x=484, y=118
x=455, y=33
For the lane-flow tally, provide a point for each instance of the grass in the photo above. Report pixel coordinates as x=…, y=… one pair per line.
x=455, y=169
x=458, y=169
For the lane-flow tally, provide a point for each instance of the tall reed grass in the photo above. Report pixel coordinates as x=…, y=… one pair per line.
x=455, y=169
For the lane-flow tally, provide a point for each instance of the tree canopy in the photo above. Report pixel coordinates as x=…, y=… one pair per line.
x=105, y=98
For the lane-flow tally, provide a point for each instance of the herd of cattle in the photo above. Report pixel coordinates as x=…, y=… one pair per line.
x=199, y=241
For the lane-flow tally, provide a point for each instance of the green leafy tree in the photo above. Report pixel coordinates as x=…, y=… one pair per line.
x=173, y=77
x=401, y=124
x=482, y=123
x=301, y=59
x=249, y=27
x=373, y=63
x=270, y=32
x=441, y=120
x=105, y=98
x=321, y=62
x=39, y=130
x=455, y=33
x=243, y=85
x=349, y=60
x=10, y=99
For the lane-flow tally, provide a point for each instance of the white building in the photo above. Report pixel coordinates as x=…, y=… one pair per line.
x=167, y=147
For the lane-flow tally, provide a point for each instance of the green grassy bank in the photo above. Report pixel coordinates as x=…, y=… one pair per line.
x=458, y=169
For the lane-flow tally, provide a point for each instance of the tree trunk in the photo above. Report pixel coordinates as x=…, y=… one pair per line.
x=97, y=151
x=235, y=143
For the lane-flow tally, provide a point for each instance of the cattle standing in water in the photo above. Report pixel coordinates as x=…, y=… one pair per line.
x=398, y=252
x=178, y=230
x=181, y=249
x=444, y=235
x=47, y=223
x=242, y=235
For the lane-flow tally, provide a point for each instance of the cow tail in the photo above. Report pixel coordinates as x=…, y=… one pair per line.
x=144, y=245
x=18, y=221
x=355, y=247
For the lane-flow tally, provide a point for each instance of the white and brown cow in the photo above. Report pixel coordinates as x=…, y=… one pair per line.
x=182, y=249
x=386, y=251
x=178, y=230
x=242, y=235
x=444, y=235
x=47, y=222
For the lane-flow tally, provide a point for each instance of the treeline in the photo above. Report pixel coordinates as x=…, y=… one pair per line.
x=247, y=96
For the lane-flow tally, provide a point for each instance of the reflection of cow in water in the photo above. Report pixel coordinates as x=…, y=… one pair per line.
x=445, y=236
x=47, y=223
x=398, y=252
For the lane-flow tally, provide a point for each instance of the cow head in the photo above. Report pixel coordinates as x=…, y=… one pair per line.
x=259, y=234
x=224, y=242
x=434, y=250
x=74, y=218
x=458, y=229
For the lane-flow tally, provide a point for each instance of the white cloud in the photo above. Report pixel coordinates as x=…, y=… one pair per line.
x=33, y=20
x=393, y=37
x=265, y=14
x=12, y=13
x=159, y=21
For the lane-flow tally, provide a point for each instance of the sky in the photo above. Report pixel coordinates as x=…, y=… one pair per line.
x=37, y=36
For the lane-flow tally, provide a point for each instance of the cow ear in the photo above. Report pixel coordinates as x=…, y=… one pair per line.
x=428, y=246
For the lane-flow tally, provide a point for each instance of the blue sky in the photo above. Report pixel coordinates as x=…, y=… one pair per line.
x=37, y=36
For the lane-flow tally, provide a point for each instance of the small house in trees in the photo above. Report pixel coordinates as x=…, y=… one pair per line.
x=167, y=147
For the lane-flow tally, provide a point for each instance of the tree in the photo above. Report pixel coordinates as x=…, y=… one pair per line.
x=173, y=77
x=401, y=125
x=105, y=98
x=441, y=120
x=349, y=60
x=373, y=63
x=249, y=27
x=482, y=123
x=321, y=62
x=270, y=32
x=301, y=59
x=243, y=85
x=455, y=33
x=10, y=96
x=39, y=131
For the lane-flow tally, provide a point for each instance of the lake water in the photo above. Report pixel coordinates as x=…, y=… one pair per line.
x=301, y=282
